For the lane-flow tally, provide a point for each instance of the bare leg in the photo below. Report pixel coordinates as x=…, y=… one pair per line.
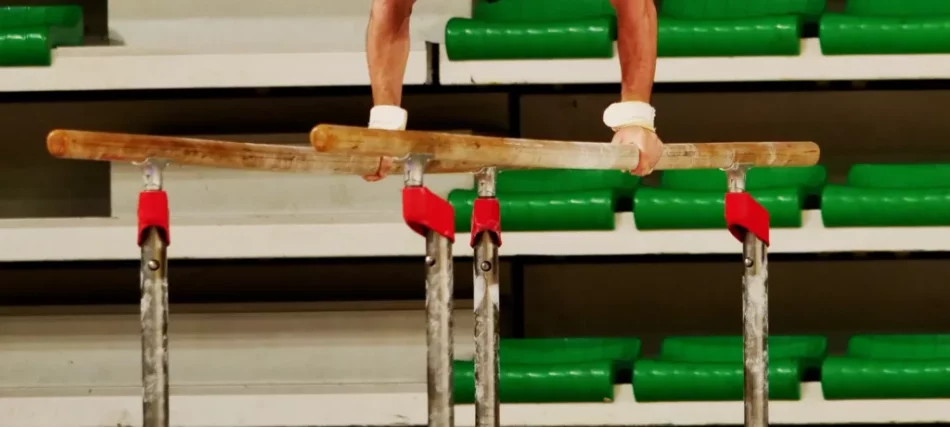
x=387, y=49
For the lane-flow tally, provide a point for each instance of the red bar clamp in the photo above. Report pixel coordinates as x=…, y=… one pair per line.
x=486, y=216
x=744, y=214
x=425, y=211
x=153, y=212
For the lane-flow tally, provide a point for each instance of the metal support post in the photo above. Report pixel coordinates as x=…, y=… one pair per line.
x=485, y=239
x=153, y=241
x=755, y=318
x=439, y=290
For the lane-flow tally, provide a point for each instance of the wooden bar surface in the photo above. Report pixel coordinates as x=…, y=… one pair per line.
x=122, y=147
x=532, y=153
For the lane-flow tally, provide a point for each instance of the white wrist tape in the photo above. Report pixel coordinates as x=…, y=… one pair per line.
x=631, y=113
x=388, y=117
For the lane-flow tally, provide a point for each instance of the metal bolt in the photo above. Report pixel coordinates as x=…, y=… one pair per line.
x=430, y=261
x=748, y=262
x=152, y=264
x=485, y=266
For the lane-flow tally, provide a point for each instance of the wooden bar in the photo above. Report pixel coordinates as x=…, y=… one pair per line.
x=532, y=153
x=121, y=147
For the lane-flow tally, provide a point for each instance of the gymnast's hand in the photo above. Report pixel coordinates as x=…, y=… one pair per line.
x=650, y=145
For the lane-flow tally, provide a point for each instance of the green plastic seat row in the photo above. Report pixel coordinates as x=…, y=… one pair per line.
x=563, y=200
x=561, y=180
x=621, y=351
x=573, y=38
x=842, y=34
x=897, y=8
x=553, y=29
x=809, y=349
x=584, y=370
x=28, y=33
x=546, y=370
x=662, y=209
x=738, y=9
x=889, y=196
x=875, y=196
x=559, y=10
x=565, y=29
x=540, y=10
x=695, y=199
x=887, y=27
x=890, y=367
x=568, y=211
x=665, y=381
x=552, y=199
x=710, y=369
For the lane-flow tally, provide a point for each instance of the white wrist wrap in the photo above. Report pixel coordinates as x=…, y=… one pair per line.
x=631, y=113
x=388, y=117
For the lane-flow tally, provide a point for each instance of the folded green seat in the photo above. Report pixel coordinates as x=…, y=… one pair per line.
x=568, y=211
x=660, y=209
x=65, y=23
x=695, y=199
x=900, y=176
x=553, y=370
x=575, y=382
x=533, y=29
x=900, y=347
x=897, y=8
x=890, y=367
x=566, y=29
x=889, y=196
x=733, y=9
x=810, y=179
x=560, y=180
x=856, y=35
x=470, y=39
x=547, y=351
x=809, y=350
x=540, y=10
x=887, y=27
x=711, y=369
x=696, y=28
x=758, y=36
x=28, y=33
x=552, y=199
x=25, y=46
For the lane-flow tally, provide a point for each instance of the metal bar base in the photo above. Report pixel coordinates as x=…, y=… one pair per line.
x=755, y=332
x=439, y=352
x=154, y=318
x=486, y=331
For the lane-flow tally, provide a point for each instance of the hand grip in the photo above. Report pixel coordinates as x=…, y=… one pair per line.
x=103, y=146
x=532, y=153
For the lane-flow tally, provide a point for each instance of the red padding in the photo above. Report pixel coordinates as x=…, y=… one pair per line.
x=744, y=214
x=425, y=211
x=486, y=216
x=153, y=212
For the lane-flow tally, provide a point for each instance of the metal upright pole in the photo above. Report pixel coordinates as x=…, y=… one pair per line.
x=439, y=290
x=755, y=319
x=153, y=240
x=485, y=268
